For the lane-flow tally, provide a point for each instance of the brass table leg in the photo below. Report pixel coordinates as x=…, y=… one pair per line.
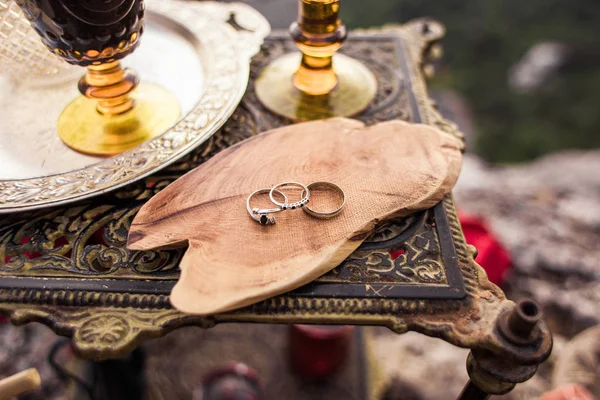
x=472, y=392
x=491, y=373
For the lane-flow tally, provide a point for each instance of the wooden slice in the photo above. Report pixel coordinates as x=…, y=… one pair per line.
x=386, y=170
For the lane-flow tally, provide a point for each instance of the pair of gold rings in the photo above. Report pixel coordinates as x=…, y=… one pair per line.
x=263, y=217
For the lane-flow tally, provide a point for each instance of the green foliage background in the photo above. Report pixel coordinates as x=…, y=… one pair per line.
x=484, y=38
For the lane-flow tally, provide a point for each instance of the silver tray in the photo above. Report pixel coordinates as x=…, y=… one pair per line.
x=188, y=47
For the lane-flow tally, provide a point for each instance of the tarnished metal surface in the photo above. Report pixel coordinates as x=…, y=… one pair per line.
x=109, y=299
x=204, y=63
x=523, y=329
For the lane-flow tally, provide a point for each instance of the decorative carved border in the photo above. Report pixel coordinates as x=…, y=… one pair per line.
x=114, y=323
x=427, y=268
x=442, y=276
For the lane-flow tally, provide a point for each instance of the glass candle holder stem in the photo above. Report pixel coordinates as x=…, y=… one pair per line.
x=111, y=86
x=316, y=83
x=318, y=34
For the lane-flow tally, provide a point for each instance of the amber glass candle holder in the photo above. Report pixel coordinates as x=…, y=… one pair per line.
x=316, y=83
x=115, y=112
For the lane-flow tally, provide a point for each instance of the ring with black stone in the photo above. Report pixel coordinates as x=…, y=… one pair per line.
x=261, y=215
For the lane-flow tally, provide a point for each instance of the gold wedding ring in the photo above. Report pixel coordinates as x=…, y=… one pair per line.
x=325, y=214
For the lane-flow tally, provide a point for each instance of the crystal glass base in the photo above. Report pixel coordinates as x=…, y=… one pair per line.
x=356, y=88
x=84, y=129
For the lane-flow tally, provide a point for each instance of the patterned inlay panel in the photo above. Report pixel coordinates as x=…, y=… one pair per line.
x=416, y=260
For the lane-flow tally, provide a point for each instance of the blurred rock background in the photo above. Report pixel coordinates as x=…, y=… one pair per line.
x=547, y=215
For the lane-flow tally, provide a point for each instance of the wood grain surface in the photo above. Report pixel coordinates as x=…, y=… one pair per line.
x=387, y=170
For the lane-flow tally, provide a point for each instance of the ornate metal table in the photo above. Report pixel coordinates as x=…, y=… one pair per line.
x=69, y=269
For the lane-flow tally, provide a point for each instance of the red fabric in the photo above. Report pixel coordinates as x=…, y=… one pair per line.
x=318, y=352
x=396, y=253
x=492, y=256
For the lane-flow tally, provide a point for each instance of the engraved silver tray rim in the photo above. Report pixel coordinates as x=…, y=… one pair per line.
x=229, y=52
